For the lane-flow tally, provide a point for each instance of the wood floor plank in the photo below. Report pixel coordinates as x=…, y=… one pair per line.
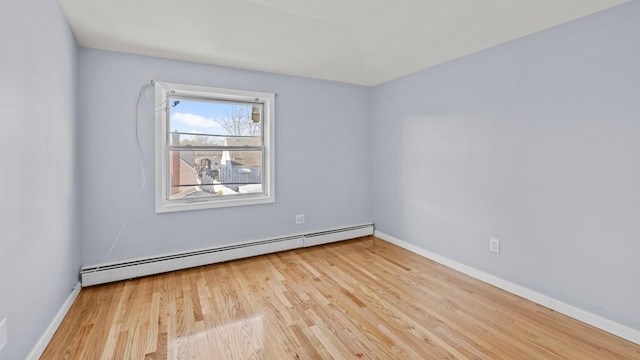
x=357, y=299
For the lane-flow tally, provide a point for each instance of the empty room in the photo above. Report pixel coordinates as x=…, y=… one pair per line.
x=319, y=180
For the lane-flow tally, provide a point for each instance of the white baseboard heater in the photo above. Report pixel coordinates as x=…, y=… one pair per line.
x=129, y=269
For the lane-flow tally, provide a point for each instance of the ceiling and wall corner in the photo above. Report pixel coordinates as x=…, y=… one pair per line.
x=353, y=41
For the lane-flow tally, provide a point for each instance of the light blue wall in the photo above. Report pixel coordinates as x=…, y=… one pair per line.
x=535, y=142
x=39, y=248
x=322, y=165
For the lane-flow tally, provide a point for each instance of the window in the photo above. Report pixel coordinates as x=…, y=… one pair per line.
x=214, y=147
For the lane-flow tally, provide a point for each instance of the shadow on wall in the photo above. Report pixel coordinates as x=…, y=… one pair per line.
x=550, y=188
x=445, y=187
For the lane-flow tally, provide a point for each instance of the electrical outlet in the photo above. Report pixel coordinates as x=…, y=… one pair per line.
x=300, y=219
x=3, y=333
x=494, y=245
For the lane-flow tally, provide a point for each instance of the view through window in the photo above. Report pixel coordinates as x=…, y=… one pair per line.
x=215, y=147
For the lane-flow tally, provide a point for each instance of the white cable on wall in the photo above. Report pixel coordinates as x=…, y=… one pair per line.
x=161, y=107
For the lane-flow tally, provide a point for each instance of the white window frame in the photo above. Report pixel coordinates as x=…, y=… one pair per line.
x=163, y=91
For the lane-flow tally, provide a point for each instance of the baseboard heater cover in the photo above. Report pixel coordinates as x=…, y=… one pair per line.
x=105, y=273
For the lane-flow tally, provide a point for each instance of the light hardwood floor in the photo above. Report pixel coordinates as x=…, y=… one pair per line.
x=358, y=299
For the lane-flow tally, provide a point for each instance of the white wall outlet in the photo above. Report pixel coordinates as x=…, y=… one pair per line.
x=494, y=245
x=3, y=333
x=300, y=219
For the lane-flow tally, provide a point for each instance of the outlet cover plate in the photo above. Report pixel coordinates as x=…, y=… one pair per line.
x=494, y=245
x=300, y=219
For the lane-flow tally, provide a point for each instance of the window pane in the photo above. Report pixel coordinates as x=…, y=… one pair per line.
x=241, y=171
x=198, y=174
x=210, y=118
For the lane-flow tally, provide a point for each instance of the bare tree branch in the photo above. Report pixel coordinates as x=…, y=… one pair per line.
x=238, y=122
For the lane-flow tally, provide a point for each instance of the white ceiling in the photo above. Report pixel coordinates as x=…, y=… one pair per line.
x=355, y=41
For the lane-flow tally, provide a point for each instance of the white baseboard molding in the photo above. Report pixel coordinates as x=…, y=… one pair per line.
x=597, y=321
x=42, y=343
